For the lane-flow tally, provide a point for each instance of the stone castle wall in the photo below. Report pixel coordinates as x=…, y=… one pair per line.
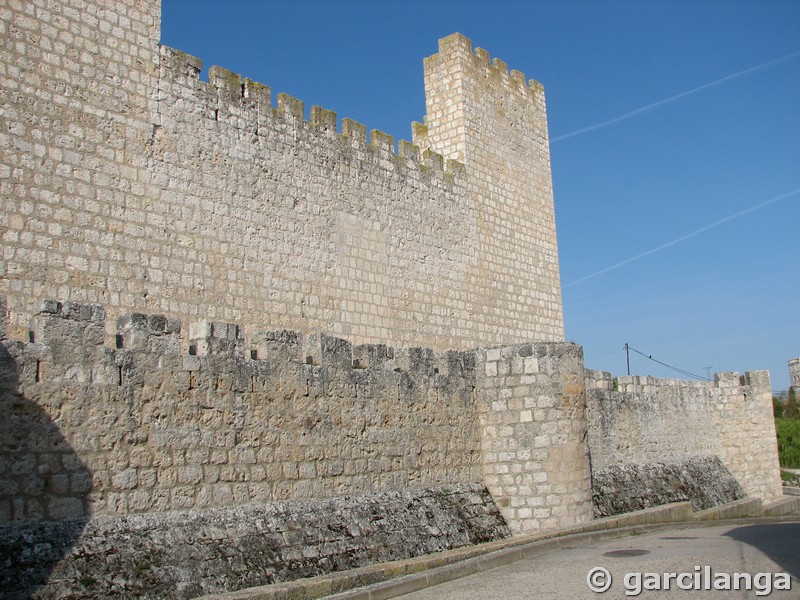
x=302, y=313
x=517, y=438
x=130, y=183
x=274, y=416
x=646, y=420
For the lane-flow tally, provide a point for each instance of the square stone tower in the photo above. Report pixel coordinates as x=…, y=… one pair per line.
x=495, y=122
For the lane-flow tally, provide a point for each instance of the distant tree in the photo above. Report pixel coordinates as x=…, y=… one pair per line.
x=788, y=431
x=777, y=407
x=791, y=410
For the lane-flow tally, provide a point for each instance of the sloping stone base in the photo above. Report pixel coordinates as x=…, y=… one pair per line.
x=188, y=554
x=703, y=480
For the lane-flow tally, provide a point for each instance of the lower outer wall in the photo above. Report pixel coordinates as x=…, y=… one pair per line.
x=278, y=416
x=189, y=554
x=145, y=429
x=645, y=420
x=148, y=448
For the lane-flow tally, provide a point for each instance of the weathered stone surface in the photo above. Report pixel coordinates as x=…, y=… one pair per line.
x=627, y=487
x=650, y=420
x=187, y=554
x=146, y=428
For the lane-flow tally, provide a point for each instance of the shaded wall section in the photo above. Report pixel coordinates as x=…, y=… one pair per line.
x=43, y=480
x=189, y=554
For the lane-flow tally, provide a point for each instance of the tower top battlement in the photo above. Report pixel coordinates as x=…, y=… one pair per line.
x=458, y=43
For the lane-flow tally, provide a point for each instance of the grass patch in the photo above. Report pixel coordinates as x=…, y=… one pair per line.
x=788, y=431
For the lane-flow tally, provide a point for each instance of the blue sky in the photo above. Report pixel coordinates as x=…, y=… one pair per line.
x=678, y=224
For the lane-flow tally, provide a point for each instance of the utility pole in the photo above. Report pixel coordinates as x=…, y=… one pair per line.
x=628, y=357
x=708, y=372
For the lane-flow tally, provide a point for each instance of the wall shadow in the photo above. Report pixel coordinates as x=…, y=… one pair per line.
x=779, y=541
x=44, y=486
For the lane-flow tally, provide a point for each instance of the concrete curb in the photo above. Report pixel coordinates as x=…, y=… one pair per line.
x=787, y=505
x=740, y=509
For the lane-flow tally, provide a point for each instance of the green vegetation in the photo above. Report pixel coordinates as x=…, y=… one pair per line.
x=788, y=431
x=788, y=476
x=777, y=407
x=790, y=409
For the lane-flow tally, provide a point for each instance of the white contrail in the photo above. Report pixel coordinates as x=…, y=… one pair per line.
x=637, y=111
x=683, y=238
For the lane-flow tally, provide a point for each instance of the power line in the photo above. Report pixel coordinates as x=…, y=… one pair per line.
x=653, y=105
x=676, y=369
x=683, y=238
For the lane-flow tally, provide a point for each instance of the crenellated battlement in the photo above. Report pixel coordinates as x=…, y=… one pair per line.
x=646, y=384
x=68, y=333
x=245, y=103
x=457, y=45
x=495, y=122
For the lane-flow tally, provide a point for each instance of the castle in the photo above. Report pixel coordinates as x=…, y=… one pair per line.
x=131, y=184
x=279, y=340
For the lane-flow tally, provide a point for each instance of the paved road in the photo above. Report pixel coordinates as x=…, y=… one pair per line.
x=561, y=575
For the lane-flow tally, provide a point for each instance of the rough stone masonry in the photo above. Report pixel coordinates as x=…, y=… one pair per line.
x=239, y=347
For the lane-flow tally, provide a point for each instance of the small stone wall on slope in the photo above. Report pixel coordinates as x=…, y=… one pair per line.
x=623, y=488
x=188, y=554
x=794, y=374
x=643, y=420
